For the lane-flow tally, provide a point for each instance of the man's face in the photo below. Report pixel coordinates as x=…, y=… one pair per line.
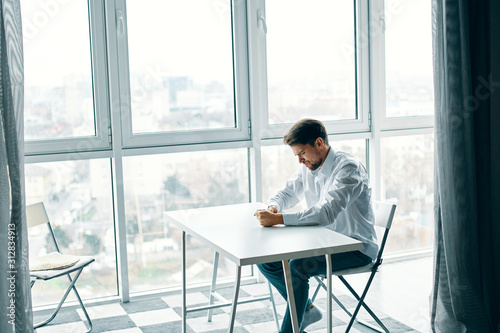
x=308, y=155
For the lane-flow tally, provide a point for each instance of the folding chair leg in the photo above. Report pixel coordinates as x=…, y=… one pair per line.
x=362, y=303
x=89, y=328
x=318, y=287
x=352, y=316
x=63, y=299
x=213, y=285
x=322, y=285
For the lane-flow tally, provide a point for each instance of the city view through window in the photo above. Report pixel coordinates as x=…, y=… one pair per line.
x=57, y=80
x=310, y=75
x=183, y=81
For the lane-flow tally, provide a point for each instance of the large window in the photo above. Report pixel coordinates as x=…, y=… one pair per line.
x=133, y=108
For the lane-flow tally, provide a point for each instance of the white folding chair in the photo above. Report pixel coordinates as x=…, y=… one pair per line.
x=384, y=213
x=36, y=215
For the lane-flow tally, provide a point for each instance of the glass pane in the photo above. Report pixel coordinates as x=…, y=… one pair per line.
x=279, y=163
x=181, y=67
x=408, y=54
x=310, y=62
x=78, y=199
x=408, y=180
x=57, y=70
x=154, y=184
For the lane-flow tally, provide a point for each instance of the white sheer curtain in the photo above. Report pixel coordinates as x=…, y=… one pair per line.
x=15, y=293
x=466, y=264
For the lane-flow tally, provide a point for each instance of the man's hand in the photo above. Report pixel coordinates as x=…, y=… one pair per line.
x=272, y=209
x=268, y=218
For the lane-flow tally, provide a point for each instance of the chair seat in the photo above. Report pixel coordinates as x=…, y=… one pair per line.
x=354, y=270
x=50, y=274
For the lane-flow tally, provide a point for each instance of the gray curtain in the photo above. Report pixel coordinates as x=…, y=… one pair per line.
x=466, y=264
x=15, y=297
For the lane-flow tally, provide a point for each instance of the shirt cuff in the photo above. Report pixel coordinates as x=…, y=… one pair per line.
x=290, y=219
x=274, y=204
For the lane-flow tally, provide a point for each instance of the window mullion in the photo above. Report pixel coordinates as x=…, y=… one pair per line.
x=258, y=94
x=362, y=26
x=115, y=64
x=377, y=91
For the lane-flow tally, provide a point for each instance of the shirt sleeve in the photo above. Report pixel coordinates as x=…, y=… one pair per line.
x=344, y=189
x=290, y=195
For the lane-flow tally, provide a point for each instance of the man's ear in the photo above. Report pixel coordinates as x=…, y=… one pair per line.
x=319, y=143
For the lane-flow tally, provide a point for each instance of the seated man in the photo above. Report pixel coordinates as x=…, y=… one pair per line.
x=335, y=187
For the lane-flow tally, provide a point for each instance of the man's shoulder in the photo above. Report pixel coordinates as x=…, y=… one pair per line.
x=342, y=158
x=347, y=162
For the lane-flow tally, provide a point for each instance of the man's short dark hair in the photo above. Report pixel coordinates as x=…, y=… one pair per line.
x=306, y=131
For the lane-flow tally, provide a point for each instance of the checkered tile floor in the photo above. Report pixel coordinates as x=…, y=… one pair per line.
x=163, y=314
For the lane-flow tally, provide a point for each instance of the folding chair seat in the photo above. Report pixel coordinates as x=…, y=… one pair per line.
x=36, y=215
x=384, y=214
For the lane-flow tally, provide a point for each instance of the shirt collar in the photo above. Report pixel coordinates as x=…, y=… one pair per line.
x=327, y=167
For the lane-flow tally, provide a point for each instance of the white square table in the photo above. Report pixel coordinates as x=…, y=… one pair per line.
x=234, y=232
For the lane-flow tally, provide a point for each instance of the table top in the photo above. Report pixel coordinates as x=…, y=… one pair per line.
x=235, y=233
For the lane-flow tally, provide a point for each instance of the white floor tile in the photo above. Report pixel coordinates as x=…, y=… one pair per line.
x=154, y=317
x=63, y=328
x=219, y=322
x=102, y=311
x=127, y=330
x=267, y=327
x=191, y=299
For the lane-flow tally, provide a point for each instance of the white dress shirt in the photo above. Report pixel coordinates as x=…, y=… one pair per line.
x=337, y=196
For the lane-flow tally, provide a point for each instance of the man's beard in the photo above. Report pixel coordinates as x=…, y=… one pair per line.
x=316, y=165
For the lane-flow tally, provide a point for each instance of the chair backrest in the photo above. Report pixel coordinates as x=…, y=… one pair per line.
x=384, y=213
x=36, y=214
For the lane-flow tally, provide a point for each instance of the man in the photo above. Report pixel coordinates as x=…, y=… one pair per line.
x=338, y=196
